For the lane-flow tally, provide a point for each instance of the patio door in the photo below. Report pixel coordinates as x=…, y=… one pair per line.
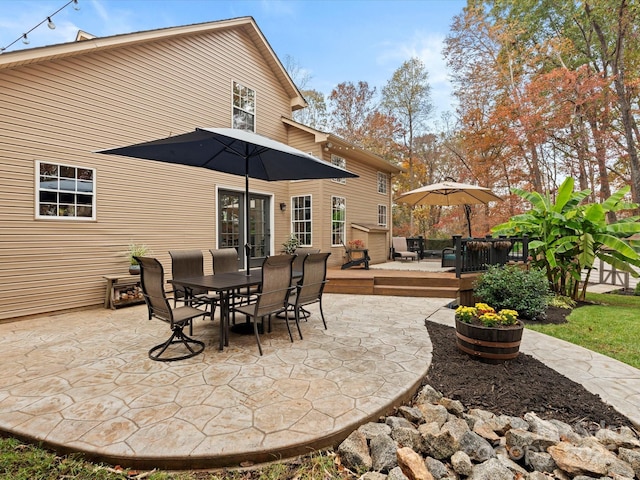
x=231, y=225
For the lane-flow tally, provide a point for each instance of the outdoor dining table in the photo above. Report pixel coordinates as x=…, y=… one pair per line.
x=224, y=284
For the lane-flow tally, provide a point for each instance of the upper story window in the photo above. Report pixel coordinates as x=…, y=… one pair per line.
x=244, y=108
x=63, y=191
x=383, y=181
x=339, y=162
x=301, y=219
x=382, y=215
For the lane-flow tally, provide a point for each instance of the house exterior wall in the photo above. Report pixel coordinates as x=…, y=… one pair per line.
x=62, y=107
x=361, y=194
x=61, y=111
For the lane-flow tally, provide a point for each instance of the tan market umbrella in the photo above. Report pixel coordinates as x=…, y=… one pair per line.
x=449, y=193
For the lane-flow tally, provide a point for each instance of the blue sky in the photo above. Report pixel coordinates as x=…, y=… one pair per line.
x=334, y=41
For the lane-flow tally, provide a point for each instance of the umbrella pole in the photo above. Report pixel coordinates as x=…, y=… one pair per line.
x=247, y=221
x=467, y=211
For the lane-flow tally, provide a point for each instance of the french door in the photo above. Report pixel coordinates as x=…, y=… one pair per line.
x=232, y=225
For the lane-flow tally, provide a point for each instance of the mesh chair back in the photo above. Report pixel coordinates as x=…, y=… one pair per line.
x=152, y=283
x=185, y=264
x=225, y=260
x=314, y=274
x=301, y=253
x=276, y=281
x=400, y=244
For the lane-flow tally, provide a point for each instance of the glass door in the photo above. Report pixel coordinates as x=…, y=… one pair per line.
x=231, y=225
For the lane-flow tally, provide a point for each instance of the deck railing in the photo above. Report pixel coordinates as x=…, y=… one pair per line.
x=477, y=254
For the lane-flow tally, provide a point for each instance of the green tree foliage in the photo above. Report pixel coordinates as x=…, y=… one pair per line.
x=407, y=97
x=568, y=236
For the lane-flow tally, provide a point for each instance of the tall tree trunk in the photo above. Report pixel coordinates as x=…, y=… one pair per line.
x=624, y=17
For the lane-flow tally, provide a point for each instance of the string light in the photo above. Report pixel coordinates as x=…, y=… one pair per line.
x=25, y=38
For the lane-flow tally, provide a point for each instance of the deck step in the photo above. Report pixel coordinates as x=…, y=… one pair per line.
x=416, y=281
x=413, y=291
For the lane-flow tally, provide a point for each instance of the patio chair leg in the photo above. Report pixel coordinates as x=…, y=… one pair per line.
x=297, y=317
x=322, y=314
x=177, y=337
x=255, y=331
x=286, y=319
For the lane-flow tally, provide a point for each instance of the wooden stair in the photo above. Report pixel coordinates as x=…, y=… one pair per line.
x=394, y=283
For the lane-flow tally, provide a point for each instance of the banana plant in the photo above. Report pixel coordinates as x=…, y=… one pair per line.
x=568, y=236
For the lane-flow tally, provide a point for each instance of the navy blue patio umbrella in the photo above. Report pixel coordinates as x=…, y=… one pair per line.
x=237, y=152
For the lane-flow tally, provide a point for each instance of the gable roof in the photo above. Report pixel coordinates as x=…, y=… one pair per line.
x=353, y=150
x=88, y=43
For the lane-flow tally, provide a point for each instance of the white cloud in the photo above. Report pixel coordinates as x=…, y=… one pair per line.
x=428, y=48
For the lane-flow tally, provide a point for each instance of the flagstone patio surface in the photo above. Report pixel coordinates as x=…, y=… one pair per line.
x=82, y=382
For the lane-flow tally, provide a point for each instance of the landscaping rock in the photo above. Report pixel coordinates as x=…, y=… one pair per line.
x=433, y=413
x=491, y=470
x=372, y=429
x=383, y=453
x=354, y=452
x=427, y=394
x=461, y=464
x=438, y=469
x=412, y=465
x=431, y=442
x=413, y=414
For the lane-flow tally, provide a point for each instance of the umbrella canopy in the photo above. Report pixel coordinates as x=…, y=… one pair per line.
x=449, y=193
x=237, y=152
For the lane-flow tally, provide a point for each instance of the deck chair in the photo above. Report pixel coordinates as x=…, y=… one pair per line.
x=309, y=289
x=152, y=283
x=301, y=253
x=354, y=258
x=185, y=264
x=272, y=298
x=225, y=260
x=401, y=250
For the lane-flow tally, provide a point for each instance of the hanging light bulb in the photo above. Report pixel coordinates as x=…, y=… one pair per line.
x=50, y=23
x=76, y=5
x=25, y=39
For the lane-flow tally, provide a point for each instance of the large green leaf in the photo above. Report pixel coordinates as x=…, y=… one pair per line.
x=611, y=204
x=564, y=194
x=622, y=265
x=595, y=213
x=614, y=243
x=587, y=251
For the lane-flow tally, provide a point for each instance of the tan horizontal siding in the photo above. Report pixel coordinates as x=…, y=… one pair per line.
x=61, y=111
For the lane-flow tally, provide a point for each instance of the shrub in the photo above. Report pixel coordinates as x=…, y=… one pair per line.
x=511, y=287
x=637, y=289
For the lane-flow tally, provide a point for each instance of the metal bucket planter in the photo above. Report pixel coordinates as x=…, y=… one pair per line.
x=489, y=344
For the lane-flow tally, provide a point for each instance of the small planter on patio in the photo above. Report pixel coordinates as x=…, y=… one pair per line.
x=486, y=335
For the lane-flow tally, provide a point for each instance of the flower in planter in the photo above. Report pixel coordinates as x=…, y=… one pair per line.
x=490, y=319
x=465, y=314
x=509, y=317
x=356, y=244
x=486, y=315
x=483, y=308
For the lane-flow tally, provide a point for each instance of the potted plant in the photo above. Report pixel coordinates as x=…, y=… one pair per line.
x=356, y=244
x=492, y=337
x=291, y=244
x=136, y=250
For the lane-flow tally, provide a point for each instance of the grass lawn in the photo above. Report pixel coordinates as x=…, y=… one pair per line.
x=612, y=327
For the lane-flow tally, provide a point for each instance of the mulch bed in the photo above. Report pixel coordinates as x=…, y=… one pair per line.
x=516, y=387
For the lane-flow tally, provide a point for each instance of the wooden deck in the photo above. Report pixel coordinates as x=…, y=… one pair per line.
x=403, y=283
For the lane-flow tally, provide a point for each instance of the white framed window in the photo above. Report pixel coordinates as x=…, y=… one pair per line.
x=301, y=219
x=338, y=221
x=339, y=162
x=383, y=181
x=382, y=215
x=65, y=192
x=244, y=108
